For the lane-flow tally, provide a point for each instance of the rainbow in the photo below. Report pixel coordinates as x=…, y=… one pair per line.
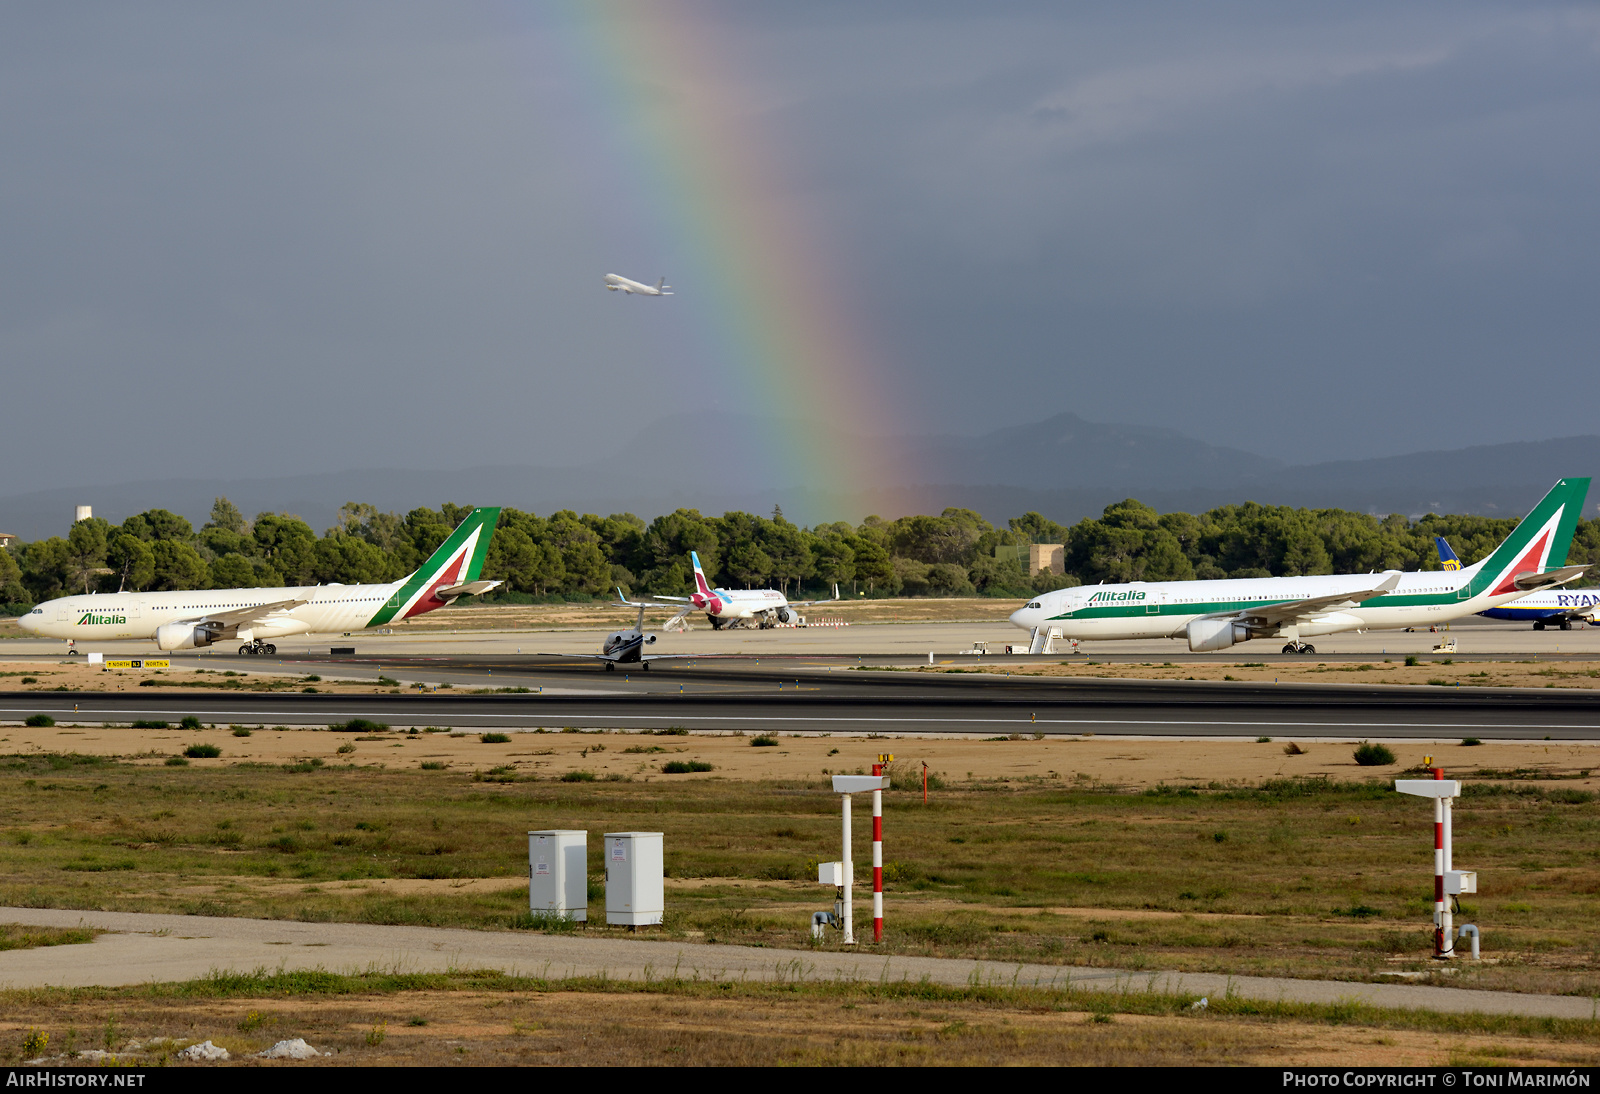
x=765, y=305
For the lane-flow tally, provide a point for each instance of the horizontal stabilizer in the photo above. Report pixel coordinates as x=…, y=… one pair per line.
x=1549, y=578
x=470, y=588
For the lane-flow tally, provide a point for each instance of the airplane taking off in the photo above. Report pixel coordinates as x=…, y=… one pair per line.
x=1214, y=615
x=736, y=607
x=190, y=619
x=1544, y=609
x=617, y=281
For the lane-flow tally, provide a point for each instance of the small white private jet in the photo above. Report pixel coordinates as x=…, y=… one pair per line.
x=617, y=281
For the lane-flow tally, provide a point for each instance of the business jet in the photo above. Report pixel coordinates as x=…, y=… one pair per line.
x=1214, y=615
x=761, y=608
x=1543, y=610
x=195, y=618
x=617, y=281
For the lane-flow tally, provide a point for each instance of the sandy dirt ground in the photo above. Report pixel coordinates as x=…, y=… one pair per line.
x=1134, y=763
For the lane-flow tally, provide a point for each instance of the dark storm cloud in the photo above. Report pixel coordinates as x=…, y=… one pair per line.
x=277, y=238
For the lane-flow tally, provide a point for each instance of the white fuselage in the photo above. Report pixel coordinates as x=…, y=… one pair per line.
x=116, y=616
x=741, y=603
x=1164, y=609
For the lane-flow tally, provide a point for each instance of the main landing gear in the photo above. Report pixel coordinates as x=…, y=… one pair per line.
x=1299, y=647
x=1539, y=625
x=258, y=649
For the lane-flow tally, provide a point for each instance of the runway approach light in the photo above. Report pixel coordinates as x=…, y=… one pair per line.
x=1447, y=881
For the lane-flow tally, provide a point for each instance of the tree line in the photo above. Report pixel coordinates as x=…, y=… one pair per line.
x=565, y=556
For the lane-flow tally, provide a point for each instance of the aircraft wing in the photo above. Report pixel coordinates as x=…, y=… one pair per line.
x=1550, y=578
x=1272, y=615
x=807, y=603
x=258, y=613
x=679, y=609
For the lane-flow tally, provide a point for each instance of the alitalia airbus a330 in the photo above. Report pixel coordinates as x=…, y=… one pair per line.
x=185, y=620
x=1214, y=615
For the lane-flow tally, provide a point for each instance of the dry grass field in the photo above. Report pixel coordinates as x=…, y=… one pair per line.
x=1221, y=856
x=467, y=1019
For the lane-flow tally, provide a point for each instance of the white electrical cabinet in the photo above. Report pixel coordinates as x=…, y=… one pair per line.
x=635, y=892
x=1457, y=882
x=558, y=873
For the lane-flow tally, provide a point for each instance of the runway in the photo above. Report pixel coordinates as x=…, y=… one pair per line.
x=794, y=695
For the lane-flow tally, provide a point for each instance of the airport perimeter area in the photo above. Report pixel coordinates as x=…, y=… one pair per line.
x=1102, y=846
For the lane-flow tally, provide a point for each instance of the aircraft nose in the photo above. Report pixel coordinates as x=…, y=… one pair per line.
x=1023, y=617
x=26, y=622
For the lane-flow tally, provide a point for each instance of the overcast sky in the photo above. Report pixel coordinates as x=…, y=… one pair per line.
x=258, y=239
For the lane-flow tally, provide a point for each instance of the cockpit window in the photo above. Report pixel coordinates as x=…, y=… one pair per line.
x=1035, y=604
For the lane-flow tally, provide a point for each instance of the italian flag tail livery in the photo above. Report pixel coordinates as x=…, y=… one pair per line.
x=1538, y=544
x=457, y=562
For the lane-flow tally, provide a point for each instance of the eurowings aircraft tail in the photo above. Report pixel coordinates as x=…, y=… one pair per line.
x=701, y=585
x=1447, y=557
x=450, y=572
x=1534, y=555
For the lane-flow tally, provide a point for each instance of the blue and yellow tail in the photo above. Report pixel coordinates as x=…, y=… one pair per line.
x=1447, y=557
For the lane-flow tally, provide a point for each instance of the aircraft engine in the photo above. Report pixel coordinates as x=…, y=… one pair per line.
x=181, y=636
x=783, y=615
x=649, y=639
x=1206, y=635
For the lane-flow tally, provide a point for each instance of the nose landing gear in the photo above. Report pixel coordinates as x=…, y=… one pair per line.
x=255, y=649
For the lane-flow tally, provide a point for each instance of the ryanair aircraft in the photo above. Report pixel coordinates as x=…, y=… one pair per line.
x=194, y=618
x=1214, y=615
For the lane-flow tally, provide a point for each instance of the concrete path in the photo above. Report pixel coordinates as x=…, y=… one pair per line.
x=144, y=948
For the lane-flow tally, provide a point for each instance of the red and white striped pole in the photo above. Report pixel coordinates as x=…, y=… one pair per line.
x=877, y=852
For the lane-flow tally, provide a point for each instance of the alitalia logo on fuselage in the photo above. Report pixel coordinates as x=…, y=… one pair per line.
x=1106, y=597
x=90, y=618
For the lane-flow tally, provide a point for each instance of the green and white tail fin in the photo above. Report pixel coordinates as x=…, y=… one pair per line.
x=457, y=563
x=1537, y=545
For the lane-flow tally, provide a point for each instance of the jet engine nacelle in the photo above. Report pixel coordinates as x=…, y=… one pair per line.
x=1206, y=635
x=182, y=636
x=649, y=639
x=783, y=615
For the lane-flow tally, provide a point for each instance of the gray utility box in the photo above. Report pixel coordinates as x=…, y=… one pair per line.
x=635, y=893
x=558, y=873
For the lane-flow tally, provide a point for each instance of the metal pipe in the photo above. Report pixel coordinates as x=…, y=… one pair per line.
x=849, y=874
x=1473, y=928
x=1438, y=871
x=1447, y=917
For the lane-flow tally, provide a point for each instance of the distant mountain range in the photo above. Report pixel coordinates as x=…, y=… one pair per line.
x=1063, y=467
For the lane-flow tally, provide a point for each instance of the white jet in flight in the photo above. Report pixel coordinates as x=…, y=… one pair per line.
x=617, y=281
x=1214, y=615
